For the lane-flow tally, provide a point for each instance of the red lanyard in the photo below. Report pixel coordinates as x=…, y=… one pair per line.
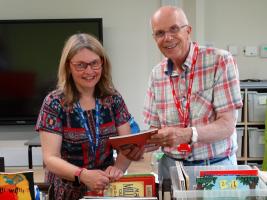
x=184, y=116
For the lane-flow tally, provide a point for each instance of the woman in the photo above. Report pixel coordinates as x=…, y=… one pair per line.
x=77, y=119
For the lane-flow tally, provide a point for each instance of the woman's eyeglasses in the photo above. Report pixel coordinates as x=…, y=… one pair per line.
x=81, y=66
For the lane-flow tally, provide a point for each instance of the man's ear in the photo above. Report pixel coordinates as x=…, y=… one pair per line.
x=189, y=29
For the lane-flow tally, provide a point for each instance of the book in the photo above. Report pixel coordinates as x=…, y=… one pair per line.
x=262, y=174
x=181, y=179
x=17, y=185
x=139, y=139
x=166, y=189
x=226, y=182
x=243, y=172
x=131, y=185
x=186, y=176
x=119, y=198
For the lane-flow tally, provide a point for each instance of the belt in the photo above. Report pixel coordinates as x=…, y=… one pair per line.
x=201, y=162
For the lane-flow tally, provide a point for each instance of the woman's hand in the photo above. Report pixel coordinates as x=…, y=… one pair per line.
x=114, y=173
x=132, y=152
x=95, y=180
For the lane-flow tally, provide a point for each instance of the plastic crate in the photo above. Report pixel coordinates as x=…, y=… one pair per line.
x=256, y=142
x=240, y=111
x=256, y=106
x=240, y=133
x=193, y=171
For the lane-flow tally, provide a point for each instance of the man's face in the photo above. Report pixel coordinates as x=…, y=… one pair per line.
x=171, y=34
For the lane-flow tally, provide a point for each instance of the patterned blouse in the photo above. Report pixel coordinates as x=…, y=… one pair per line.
x=56, y=118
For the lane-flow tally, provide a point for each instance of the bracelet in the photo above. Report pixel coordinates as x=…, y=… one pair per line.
x=77, y=174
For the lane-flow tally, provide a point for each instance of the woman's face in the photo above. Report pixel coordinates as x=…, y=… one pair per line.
x=86, y=69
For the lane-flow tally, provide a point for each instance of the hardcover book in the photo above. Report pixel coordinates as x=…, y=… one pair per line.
x=139, y=139
x=17, y=185
x=226, y=182
x=131, y=185
x=240, y=172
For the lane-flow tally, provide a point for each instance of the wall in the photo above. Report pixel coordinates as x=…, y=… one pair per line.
x=240, y=23
x=127, y=37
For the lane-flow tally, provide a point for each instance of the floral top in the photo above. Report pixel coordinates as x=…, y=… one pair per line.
x=56, y=118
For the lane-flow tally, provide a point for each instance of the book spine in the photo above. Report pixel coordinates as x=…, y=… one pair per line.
x=249, y=172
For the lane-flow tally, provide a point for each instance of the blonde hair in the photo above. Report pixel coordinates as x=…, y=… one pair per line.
x=66, y=83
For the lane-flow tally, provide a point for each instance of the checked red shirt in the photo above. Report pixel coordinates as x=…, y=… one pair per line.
x=215, y=89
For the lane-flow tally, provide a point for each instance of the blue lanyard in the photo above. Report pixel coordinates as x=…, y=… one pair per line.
x=93, y=145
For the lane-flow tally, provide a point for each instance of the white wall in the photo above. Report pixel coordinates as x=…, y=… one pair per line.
x=233, y=22
x=127, y=37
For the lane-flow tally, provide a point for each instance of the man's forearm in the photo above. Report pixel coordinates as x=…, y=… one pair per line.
x=220, y=129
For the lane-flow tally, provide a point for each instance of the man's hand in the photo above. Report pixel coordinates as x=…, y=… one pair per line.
x=171, y=137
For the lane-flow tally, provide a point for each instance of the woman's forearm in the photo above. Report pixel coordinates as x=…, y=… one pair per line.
x=122, y=162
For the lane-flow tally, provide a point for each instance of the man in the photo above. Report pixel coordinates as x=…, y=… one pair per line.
x=193, y=97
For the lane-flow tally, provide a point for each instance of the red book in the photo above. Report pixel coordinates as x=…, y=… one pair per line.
x=132, y=185
x=238, y=172
x=139, y=139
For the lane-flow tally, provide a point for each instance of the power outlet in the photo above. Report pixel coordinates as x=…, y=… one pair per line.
x=250, y=51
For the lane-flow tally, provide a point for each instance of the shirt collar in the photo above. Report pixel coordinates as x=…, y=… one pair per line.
x=167, y=64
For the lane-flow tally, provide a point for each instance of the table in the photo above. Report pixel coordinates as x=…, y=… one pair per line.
x=34, y=142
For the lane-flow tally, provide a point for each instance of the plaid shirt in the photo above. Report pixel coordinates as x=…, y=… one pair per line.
x=215, y=89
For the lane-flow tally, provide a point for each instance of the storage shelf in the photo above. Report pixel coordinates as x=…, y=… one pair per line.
x=247, y=87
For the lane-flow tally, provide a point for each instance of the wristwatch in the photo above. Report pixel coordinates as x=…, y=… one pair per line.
x=194, y=135
x=77, y=177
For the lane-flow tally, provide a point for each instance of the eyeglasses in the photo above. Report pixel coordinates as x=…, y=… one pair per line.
x=81, y=66
x=172, y=30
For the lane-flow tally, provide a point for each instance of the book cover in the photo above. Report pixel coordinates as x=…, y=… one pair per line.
x=243, y=172
x=133, y=185
x=226, y=182
x=137, y=138
x=17, y=185
x=186, y=176
x=181, y=179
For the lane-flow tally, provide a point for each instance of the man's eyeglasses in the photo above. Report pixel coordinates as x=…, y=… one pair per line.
x=81, y=66
x=172, y=30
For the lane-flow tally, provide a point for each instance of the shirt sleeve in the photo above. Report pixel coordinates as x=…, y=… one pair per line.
x=49, y=116
x=150, y=110
x=120, y=110
x=227, y=95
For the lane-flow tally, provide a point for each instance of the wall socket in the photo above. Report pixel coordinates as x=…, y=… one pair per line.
x=250, y=51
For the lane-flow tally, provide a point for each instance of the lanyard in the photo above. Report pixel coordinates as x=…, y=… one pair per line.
x=93, y=145
x=184, y=115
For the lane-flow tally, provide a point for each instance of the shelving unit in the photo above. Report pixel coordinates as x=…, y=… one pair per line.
x=246, y=87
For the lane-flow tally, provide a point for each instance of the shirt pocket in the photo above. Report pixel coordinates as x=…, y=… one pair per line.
x=201, y=104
